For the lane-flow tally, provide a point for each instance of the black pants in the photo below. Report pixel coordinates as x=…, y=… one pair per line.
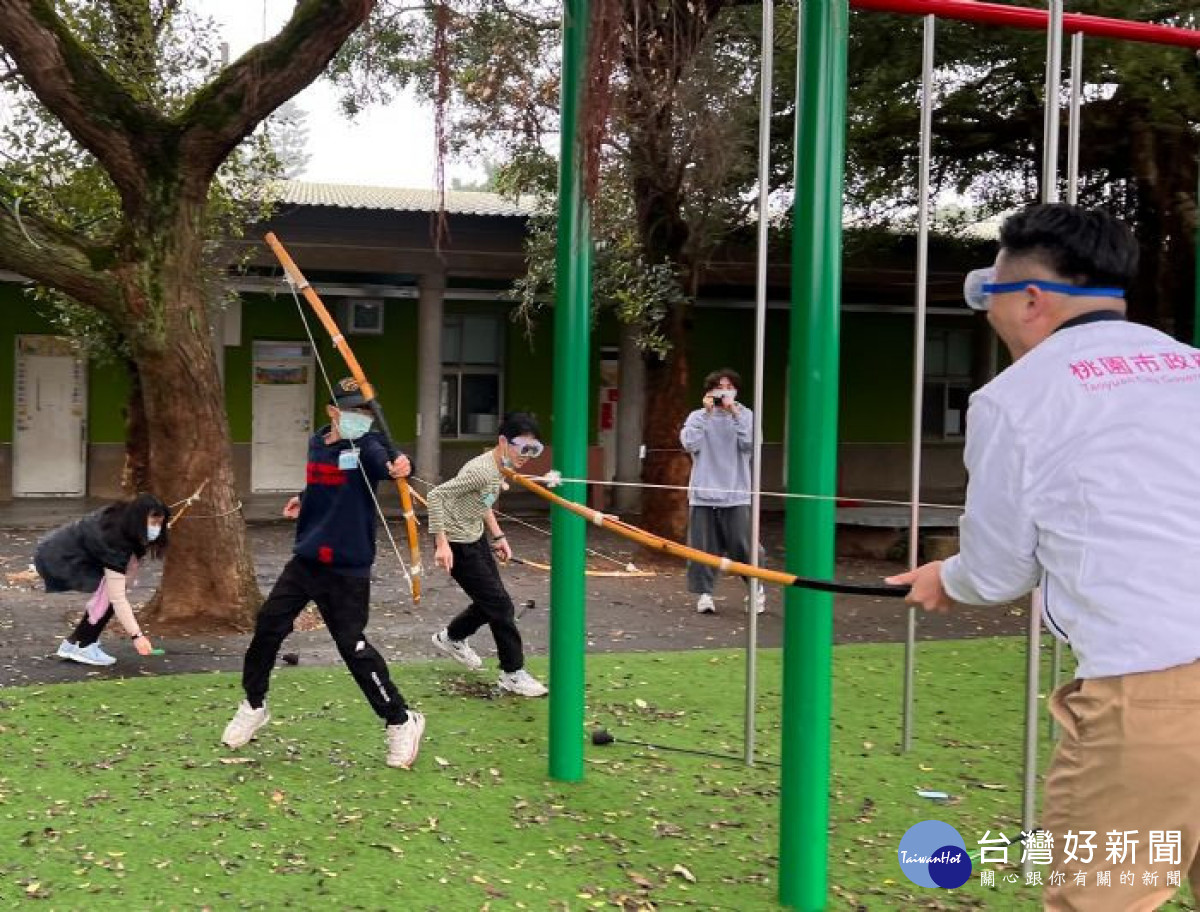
x=724, y=531
x=476, y=572
x=343, y=602
x=86, y=633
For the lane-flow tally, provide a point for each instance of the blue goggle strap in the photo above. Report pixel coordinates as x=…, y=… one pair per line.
x=1076, y=291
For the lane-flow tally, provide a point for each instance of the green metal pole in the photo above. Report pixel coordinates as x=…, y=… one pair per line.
x=572, y=327
x=812, y=451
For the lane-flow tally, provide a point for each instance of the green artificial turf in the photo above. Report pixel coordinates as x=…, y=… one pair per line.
x=116, y=794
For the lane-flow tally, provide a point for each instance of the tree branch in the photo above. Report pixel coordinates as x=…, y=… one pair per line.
x=228, y=109
x=68, y=79
x=165, y=14
x=40, y=250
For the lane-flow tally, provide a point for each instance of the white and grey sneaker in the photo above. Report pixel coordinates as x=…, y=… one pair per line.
x=522, y=683
x=459, y=650
x=245, y=724
x=85, y=655
x=760, y=601
x=404, y=741
x=704, y=605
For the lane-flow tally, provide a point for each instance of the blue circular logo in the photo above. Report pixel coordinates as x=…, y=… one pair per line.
x=932, y=854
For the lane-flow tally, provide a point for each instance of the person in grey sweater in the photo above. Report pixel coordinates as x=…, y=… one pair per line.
x=720, y=438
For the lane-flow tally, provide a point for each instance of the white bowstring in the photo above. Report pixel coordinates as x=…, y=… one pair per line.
x=328, y=383
x=228, y=512
x=520, y=522
x=847, y=497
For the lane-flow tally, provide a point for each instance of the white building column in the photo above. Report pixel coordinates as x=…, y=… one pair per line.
x=432, y=287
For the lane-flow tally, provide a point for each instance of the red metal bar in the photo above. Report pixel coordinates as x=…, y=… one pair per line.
x=1036, y=19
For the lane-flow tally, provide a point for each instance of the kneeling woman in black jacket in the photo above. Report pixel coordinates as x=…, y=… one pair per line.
x=99, y=554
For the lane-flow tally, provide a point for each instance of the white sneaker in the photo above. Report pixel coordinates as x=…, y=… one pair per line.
x=760, y=602
x=704, y=605
x=522, y=683
x=244, y=725
x=85, y=655
x=404, y=741
x=459, y=650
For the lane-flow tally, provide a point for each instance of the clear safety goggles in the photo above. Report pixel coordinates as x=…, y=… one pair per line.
x=981, y=284
x=527, y=447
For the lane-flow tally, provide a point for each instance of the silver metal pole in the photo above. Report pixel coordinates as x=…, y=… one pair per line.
x=1073, y=128
x=1073, y=117
x=1053, y=87
x=1033, y=651
x=760, y=357
x=918, y=382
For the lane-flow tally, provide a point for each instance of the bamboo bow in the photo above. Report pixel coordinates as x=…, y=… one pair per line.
x=657, y=542
x=296, y=277
x=630, y=571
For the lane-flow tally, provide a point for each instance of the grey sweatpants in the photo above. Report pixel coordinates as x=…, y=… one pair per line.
x=723, y=531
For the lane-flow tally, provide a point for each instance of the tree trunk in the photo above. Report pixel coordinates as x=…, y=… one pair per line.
x=208, y=578
x=664, y=509
x=135, y=476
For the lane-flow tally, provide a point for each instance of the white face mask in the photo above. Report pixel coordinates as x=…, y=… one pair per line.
x=153, y=532
x=352, y=425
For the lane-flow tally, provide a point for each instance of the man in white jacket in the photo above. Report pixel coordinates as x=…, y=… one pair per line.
x=1084, y=478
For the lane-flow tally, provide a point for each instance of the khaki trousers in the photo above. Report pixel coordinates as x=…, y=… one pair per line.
x=1129, y=761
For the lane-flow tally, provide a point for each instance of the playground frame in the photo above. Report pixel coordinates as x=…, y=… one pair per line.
x=812, y=408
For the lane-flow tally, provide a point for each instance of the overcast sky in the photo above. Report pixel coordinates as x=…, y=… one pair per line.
x=384, y=146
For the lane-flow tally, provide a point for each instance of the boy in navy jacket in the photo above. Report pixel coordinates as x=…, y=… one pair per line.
x=331, y=566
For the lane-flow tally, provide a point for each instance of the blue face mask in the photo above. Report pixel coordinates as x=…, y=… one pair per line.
x=352, y=425
x=153, y=532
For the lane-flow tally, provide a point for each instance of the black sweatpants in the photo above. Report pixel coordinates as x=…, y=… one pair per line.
x=86, y=633
x=476, y=572
x=724, y=531
x=344, y=604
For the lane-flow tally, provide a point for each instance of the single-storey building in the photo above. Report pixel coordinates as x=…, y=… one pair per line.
x=432, y=325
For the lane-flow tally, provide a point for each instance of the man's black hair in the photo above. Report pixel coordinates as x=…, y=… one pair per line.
x=1084, y=246
x=519, y=424
x=711, y=381
x=127, y=520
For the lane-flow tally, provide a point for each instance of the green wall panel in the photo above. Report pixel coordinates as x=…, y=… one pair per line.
x=529, y=371
x=108, y=401
x=108, y=386
x=876, y=365
x=18, y=317
x=724, y=338
x=389, y=360
x=876, y=381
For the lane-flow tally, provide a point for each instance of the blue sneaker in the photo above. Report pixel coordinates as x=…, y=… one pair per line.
x=92, y=655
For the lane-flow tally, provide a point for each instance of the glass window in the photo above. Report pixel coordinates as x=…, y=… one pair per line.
x=480, y=340
x=452, y=342
x=947, y=383
x=472, y=375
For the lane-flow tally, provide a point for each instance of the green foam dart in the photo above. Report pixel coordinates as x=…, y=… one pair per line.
x=158, y=652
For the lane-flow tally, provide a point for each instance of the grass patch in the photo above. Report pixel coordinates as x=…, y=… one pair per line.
x=117, y=794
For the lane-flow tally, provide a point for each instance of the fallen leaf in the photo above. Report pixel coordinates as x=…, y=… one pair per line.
x=684, y=873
